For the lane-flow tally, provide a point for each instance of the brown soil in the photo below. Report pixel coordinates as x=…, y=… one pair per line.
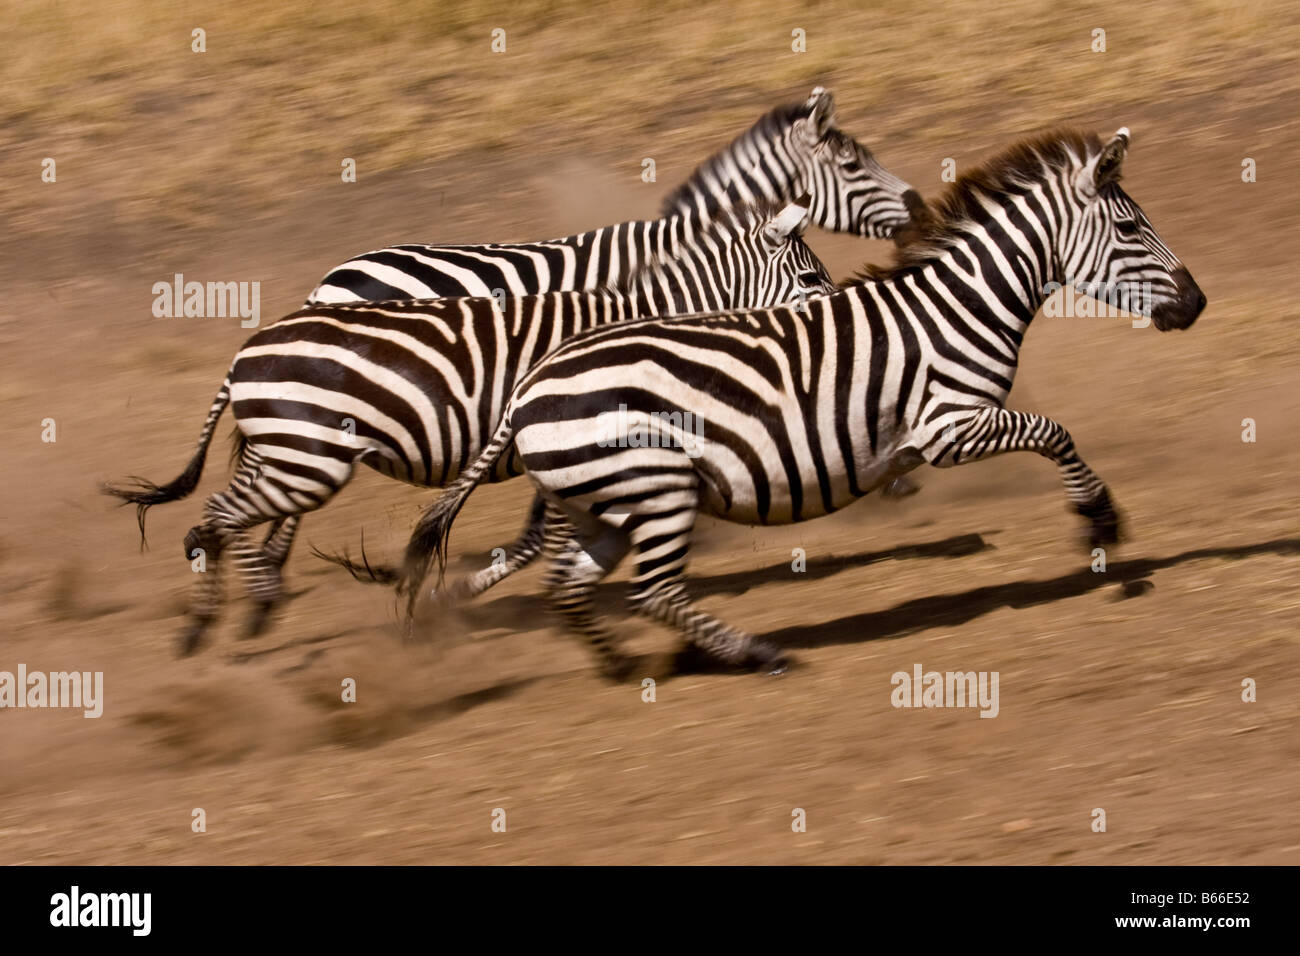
x=1119, y=691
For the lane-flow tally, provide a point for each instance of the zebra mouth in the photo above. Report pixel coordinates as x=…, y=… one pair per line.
x=919, y=216
x=1182, y=310
x=1166, y=319
x=915, y=205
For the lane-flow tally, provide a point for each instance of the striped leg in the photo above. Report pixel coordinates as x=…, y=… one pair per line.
x=258, y=492
x=662, y=543
x=987, y=431
x=578, y=562
x=202, y=543
x=520, y=554
x=279, y=540
x=261, y=577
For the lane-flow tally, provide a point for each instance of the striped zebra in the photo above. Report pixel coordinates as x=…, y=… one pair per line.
x=794, y=149
x=805, y=411
x=411, y=388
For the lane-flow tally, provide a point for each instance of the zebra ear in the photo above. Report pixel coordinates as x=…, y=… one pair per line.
x=790, y=221
x=821, y=112
x=1111, y=158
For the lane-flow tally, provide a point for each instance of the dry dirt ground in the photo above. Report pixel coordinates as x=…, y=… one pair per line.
x=1119, y=690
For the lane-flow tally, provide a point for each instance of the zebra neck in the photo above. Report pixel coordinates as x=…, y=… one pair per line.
x=657, y=241
x=1001, y=282
x=662, y=291
x=702, y=202
x=676, y=233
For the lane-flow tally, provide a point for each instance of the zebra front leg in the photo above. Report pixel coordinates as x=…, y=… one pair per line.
x=520, y=554
x=988, y=430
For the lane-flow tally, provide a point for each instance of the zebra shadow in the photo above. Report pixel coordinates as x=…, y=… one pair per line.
x=518, y=612
x=1130, y=578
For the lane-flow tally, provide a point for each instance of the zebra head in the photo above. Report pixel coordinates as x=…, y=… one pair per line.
x=750, y=256
x=851, y=191
x=785, y=268
x=1111, y=251
x=798, y=149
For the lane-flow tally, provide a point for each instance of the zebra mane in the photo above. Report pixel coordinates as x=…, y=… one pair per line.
x=1010, y=172
x=726, y=224
x=770, y=126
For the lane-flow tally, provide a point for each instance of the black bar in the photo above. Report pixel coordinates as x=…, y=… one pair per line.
x=317, y=903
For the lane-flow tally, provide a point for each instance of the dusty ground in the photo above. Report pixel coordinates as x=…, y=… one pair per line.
x=1119, y=691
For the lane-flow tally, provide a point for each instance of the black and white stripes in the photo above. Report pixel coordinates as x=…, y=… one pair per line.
x=803, y=412
x=413, y=387
x=793, y=150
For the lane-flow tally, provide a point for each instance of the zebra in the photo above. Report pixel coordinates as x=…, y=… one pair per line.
x=411, y=387
x=796, y=148
x=805, y=411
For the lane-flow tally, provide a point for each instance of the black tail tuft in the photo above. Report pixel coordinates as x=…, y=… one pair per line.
x=428, y=542
x=364, y=572
x=145, y=494
x=432, y=532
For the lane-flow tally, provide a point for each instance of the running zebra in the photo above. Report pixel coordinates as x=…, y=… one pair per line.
x=794, y=149
x=803, y=412
x=412, y=388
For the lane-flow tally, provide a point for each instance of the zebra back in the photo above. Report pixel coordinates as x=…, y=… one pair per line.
x=810, y=408
x=426, y=379
x=792, y=150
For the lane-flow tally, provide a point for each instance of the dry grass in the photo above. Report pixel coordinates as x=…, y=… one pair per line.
x=111, y=89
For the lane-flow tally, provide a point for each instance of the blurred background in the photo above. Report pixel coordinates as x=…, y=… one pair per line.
x=1119, y=690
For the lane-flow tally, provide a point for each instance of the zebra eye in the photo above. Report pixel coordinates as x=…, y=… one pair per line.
x=1127, y=228
x=810, y=278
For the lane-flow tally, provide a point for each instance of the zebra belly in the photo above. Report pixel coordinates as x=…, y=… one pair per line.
x=735, y=492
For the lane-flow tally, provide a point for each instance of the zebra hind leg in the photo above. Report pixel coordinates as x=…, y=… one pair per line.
x=203, y=547
x=227, y=516
x=662, y=543
x=570, y=585
x=279, y=540
x=668, y=604
x=221, y=535
x=520, y=554
x=264, y=572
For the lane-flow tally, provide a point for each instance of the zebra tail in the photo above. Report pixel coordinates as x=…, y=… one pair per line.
x=145, y=494
x=365, y=572
x=432, y=532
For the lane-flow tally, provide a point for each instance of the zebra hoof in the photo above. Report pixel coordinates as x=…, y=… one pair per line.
x=1101, y=534
x=901, y=487
x=1104, y=523
x=258, y=620
x=768, y=657
x=190, y=640
x=446, y=598
x=617, y=669
x=1103, y=528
